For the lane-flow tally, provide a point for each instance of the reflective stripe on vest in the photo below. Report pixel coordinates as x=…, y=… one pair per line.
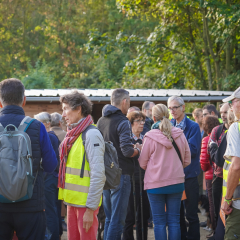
x=226, y=167
x=76, y=189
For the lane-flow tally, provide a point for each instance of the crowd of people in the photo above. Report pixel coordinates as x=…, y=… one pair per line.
x=171, y=167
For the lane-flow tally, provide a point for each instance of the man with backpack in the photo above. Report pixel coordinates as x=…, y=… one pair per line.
x=217, y=137
x=116, y=128
x=26, y=146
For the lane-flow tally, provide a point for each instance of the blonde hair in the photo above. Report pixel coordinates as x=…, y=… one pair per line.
x=230, y=117
x=160, y=112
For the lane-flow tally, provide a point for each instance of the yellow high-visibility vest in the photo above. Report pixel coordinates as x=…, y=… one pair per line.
x=220, y=120
x=226, y=166
x=76, y=189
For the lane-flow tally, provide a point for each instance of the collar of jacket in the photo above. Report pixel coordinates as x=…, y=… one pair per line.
x=12, y=109
x=185, y=122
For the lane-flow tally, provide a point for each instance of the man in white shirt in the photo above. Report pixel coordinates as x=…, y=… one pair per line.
x=231, y=172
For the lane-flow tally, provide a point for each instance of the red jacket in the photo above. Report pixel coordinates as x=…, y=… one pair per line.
x=205, y=159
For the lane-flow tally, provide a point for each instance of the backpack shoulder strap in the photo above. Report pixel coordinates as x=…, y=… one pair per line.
x=25, y=123
x=219, y=131
x=1, y=128
x=84, y=133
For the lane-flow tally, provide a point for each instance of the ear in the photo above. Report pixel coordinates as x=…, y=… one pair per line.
x=79, y=110
x=1, y=106
x=124, y=101
x=183, y=108
x=154, y=119
x=24, y=101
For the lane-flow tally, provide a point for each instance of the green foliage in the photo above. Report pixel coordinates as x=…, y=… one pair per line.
x=192, y=44
x=45, y=40
x=38, y=77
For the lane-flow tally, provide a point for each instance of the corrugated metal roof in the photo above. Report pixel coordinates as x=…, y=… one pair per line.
x=135, y=94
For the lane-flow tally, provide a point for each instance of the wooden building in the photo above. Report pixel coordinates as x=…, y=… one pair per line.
x=47, y=100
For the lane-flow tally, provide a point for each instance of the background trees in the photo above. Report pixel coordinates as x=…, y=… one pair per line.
x=130, y=43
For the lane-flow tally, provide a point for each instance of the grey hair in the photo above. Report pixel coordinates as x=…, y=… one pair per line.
x=146, y=105
x=118, y=95
x=43, y=117
x=56, y=118
x=176, y=98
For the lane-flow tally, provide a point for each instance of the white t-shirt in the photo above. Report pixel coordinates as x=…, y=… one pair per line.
x=233, y=149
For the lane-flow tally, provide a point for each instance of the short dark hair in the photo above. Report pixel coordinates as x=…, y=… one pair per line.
x=11, y=91
x=211, y=108
x=210, y=122
x=146, y=105
x=76, y=99
x=118, y=95
x=135, y=115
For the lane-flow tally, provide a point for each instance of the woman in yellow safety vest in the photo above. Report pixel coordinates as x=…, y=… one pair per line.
x=81, y=182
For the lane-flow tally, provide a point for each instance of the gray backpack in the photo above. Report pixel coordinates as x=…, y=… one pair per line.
x=16, y=171
x=112, y=171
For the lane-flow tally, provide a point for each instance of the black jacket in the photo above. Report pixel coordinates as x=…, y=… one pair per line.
x=116, y=128
x=147, y=125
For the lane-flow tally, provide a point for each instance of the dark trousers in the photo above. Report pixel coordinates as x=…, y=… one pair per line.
x=217, y=194
x=211, y=205
x=191, y=210
x=130, y=219
x=51, y=196
x=220, y=230
x=59, y=206
x=28, y=226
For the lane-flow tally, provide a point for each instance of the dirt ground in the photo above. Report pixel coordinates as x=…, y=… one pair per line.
x=203, y=232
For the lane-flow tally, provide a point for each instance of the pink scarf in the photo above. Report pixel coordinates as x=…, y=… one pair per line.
x=66, y=145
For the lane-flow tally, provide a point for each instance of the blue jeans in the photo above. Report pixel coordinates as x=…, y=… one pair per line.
x=115, y=203
x=51, y=194
x=171, y=217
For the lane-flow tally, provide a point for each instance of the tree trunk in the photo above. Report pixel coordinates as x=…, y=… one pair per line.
x=206, y=52
x=228, y=58
x=194, y=47
x=215, y=57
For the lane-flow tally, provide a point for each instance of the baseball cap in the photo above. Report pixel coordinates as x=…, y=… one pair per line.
x=236, y=94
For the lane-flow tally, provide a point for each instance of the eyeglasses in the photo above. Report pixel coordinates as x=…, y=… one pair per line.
x=139, y=121
x=205, y=114
x=230, y=103
x=174, y=108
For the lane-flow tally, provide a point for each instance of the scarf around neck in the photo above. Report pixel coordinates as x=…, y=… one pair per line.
x=156, y=125
x=66, y=145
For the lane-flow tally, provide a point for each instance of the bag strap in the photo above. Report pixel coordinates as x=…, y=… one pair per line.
x=219, y=132
x=25, y=123
x=177, y=150
x=84, y=133
x=1, y=128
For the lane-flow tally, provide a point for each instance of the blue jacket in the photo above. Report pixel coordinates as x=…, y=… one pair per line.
x=41, y=149
x=55, y=144
x=193, y=136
